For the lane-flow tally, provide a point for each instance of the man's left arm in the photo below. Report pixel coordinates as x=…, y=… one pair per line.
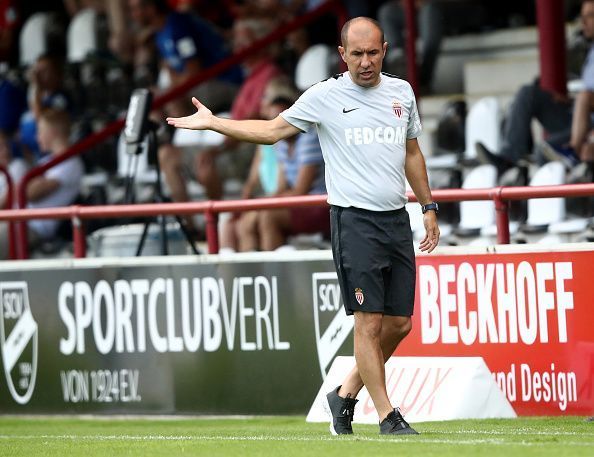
x=40, y=187
x=416, y=174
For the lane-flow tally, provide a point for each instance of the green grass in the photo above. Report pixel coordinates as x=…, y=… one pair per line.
x=288, y=437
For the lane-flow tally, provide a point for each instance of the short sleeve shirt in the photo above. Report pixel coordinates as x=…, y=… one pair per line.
x=306, y=151
x=69, y=174
x=186, y=37
x=363, y=133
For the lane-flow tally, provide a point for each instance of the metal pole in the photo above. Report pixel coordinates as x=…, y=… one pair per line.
x=78, y=238
x=412, y=72
x=551, y=30
x=212, y=232
x=502, y=220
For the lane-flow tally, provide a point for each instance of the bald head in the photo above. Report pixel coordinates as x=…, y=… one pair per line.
x=360, y=25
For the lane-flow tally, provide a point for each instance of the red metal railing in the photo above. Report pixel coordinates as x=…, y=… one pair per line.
x=7, y=205
x=500, y=195
x=208, y=73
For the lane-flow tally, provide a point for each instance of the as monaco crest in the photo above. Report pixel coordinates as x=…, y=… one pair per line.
x=359, y=296
x=397, y=107
x=18, y=340
x=333, y=326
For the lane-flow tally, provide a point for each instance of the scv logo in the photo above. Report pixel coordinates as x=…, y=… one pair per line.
x=18, y=340
x=333, y=326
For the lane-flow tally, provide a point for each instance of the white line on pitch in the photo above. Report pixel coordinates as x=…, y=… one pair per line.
x=497, y=442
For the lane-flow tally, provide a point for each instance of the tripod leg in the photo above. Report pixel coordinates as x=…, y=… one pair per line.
x=142, y=238
x=164, y=243
x=184, y=230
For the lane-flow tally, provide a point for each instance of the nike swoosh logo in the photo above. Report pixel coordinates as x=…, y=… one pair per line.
x=344, y=110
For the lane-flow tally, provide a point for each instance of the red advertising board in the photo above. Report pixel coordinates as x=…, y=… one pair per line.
x=530, y=315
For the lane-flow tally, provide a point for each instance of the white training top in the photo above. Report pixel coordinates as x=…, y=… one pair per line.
x=363, y=133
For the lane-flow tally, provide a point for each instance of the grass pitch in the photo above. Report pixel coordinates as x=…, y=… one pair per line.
x=288, y=437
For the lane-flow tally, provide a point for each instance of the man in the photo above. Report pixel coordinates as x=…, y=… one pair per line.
x=211, y=163
x=368, y=125
x=568, y=130
x=58, y=186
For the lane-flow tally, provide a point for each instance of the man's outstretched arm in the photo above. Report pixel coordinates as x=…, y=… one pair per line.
x=252, y=131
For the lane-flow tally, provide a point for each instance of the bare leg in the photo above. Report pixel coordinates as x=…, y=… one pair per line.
x=228, y=234
x=273, y=224
x=393, y=330
x=171, y=163
x=580, y=125
x=208, y=175
x=247, y=231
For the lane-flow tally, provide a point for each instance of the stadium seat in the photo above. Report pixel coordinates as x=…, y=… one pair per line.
x=483, y=124
x=316, y=64
x=542, y=212
x=82, y=37
x=33, y=40
x=475, y=215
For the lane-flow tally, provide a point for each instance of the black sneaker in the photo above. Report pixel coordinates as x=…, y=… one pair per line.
x=341, y=411
x=394, y=424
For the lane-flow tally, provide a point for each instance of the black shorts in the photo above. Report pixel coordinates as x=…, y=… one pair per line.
x=375, y=260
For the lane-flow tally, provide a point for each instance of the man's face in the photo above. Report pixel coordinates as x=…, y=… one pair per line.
x=138, y=12
x=587, y=17
x=363, y=53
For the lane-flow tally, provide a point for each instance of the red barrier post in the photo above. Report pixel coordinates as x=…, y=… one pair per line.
x=78, y=237
x=551, y=41
x=8, y=205
x=212, y=231
x=412, y=73
x=501, y=218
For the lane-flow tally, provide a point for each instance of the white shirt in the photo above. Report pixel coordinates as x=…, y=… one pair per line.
x=363, y=133
x=69, y=174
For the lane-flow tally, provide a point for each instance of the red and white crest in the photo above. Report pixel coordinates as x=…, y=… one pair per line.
x=359, y=295
x=397, y=107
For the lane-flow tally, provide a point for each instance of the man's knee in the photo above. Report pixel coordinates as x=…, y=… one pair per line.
x=170, y=157
x=398, y=326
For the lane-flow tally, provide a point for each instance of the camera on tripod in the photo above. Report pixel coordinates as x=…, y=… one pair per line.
x=140, y=134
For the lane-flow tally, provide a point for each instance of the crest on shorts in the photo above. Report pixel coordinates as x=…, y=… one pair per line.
x=397, y=107
x=359, y=295
x=18, y=340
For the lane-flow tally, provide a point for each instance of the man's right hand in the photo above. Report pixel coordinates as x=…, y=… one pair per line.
x=200, y=120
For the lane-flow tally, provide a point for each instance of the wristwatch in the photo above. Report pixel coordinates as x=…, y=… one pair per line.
x=430, y=207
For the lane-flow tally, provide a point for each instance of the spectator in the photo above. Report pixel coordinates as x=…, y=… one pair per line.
x=263, y=176
x=187, y=44
x=391, y=17
x=568, y=132
x=45, y=91
x=300, y=172
x=175, y=161
x=59, y=186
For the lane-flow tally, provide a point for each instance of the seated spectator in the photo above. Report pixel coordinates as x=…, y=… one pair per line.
x=391, y=17
x=175, y=161
x=46, y=90
x=59, y=186
x=567, y=125
x=300, y=172
x=263, y=176
x=187, y=44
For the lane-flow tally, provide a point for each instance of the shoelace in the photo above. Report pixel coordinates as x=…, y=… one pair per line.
x=348, y=409
x=397, y=420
